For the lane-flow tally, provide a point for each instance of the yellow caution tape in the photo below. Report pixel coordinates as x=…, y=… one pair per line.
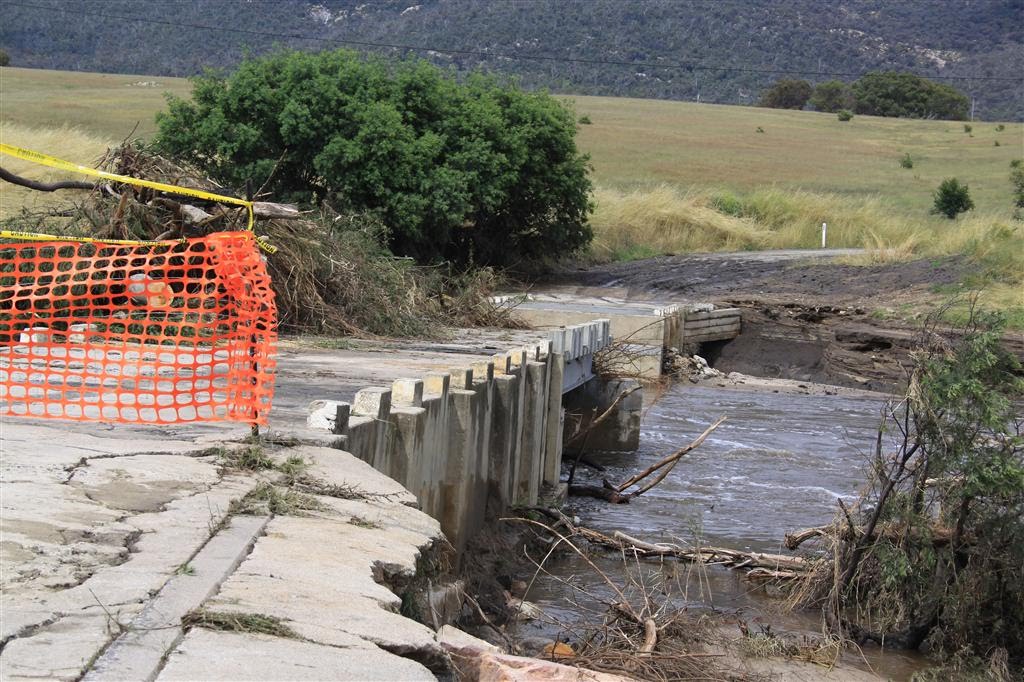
x=61, y=164
x=36, y=236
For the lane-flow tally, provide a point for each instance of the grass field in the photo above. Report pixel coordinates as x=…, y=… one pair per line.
x=642, y=143
x=669, y=176
x=104, y=105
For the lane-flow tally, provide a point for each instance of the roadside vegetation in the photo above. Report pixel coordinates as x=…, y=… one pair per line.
x=932, y=556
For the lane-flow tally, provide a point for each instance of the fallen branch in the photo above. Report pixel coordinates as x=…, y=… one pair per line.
x=269, y=211
x=650, y=637
x=938, y=535
x=769, y=565
x=44, y=186
x=606, y=492
x=668, y=461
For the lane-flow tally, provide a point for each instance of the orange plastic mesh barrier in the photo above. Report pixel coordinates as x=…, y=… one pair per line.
x=153, y=332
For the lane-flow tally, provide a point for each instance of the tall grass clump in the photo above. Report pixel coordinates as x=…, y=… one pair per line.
x=664, y=220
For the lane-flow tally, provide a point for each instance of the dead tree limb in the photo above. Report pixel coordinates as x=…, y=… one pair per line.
x=581, y=434
x=650, y=637
x=606, y=492
x=668, y=461
x=761, y=565
x=44, y=186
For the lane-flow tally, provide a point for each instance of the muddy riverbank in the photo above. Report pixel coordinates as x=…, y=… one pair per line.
x=807, y=315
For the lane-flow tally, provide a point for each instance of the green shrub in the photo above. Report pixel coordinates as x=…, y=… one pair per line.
x=907, y=161
x=470, y=172
x=727, y=203
x=1000, y=128
x=844, y=115
x=585, y=120
x=968, y=127
x=1017, y=180
x=786, y=93
x=907, y=95
x=831, y=96
x=5, y=59
x=995, y=143
x=759, y=129
x=952, y=199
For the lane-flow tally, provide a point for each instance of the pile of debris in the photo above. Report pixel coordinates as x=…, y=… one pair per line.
x=331, y=273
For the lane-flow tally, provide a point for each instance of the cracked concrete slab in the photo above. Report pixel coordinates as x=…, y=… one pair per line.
x=207, y=655
x=97, y=518
x=339, y=468
x=330, y=595
x=61, y=650
x=93, y=523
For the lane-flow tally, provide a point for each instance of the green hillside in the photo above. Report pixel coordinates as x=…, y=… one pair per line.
x=720, y=51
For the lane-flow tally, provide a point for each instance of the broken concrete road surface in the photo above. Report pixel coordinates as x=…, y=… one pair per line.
x=108, y=542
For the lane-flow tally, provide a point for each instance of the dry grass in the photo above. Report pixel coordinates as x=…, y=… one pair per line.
x=665, y=220
x=72, y=144
x=108, y=105
x=637, y=143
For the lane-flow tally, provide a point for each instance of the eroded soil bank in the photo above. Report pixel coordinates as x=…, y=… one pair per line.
x=807, y=315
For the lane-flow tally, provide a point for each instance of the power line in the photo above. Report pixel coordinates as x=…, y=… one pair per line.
x=485, y=54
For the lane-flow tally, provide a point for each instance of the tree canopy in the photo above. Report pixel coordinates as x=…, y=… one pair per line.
x=787, y=94
x=831, y=96
x=907, y=95
x=473, y=171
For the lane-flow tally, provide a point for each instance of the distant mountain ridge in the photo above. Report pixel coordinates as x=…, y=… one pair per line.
x=723, y=51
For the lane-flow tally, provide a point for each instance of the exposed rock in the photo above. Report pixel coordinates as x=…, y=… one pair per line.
x=505, y=668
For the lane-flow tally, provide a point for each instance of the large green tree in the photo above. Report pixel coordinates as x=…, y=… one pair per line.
x=831, y=96
x=787, y=94
x=472, y=171
x=906, y=95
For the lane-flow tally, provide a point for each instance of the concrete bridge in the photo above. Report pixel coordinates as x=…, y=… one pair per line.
x=472, y=438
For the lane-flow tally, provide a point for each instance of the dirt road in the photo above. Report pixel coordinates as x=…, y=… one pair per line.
x=807, y=315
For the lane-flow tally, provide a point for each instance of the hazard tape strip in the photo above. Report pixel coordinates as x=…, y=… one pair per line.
x=61, y=164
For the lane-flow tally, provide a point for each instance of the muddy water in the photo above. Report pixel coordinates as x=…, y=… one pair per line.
x=778, y=464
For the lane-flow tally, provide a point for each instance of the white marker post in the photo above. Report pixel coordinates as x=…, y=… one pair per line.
x=824, y=231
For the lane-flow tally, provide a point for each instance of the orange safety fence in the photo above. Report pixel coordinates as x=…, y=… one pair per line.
x=147, y=332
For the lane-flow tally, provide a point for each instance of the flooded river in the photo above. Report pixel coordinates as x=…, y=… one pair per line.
x=778, y=464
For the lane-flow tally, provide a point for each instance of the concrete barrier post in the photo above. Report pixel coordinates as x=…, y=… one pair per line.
x=368, y=428
x=436, y=441
x=555, y=420
x=460, y=476
x=531, y=457
x=484, y=386
x=506, y=435
x=406, y=452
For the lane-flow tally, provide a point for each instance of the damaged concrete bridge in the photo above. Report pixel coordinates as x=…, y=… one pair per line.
x=145, y=552
x=473, y=439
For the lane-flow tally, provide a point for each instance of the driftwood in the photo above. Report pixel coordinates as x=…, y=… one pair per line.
x=581, y=435
x=760, y=565
x=939, y=536
x=270, y=211
x=650, y=637
x=616, y=493
x=606, y=492
x=669, y=462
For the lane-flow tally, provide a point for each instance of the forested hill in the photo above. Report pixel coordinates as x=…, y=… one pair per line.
x=712, y=50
